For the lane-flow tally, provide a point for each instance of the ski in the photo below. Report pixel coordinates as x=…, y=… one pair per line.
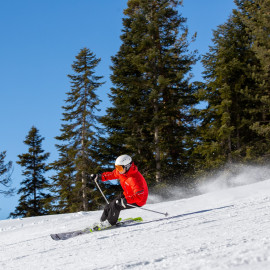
x=94, y=228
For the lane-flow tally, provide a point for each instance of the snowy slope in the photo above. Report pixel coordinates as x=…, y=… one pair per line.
x=228, y=229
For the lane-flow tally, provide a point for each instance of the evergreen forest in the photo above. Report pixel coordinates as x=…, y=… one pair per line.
x=174, y=128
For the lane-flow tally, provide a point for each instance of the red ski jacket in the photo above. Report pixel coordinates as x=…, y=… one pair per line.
x=133, y=184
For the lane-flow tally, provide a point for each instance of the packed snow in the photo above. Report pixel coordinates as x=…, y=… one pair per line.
x=225, y=229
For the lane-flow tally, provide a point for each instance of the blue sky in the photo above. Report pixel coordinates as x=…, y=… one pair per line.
x=39, y=42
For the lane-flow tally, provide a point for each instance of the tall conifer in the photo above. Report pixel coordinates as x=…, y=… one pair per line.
x=229, y=67
x=78, y=137
x=33, y=187
x=151, y=97
x=256, y=16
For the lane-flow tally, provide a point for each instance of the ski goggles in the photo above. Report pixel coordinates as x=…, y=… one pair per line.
x=120, y=168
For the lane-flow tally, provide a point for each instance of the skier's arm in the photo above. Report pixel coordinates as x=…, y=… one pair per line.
x=109, y=176
x=138, y=192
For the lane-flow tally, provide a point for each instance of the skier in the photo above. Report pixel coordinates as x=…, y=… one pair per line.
x=133, y=184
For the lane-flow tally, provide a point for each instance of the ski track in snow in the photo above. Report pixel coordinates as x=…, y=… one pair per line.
x=229, y=229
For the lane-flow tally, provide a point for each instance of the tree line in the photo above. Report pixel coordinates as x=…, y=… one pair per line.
x=176, y=129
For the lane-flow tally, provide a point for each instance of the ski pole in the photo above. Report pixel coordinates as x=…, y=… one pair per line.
x=165, y=214
x=100, y=190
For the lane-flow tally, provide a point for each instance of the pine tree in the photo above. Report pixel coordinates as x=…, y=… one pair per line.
x=5, y=175
x=78, y=138
x=150, y=118
x=229, y=67
x=256, y=16
x=33, y=197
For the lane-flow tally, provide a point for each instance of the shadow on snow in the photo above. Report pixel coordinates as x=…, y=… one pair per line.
x=182, y=215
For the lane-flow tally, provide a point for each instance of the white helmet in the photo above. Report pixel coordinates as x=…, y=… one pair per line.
x=123, y=163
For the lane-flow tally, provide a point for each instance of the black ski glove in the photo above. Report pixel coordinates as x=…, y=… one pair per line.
x=93, y=177
x=121, y=202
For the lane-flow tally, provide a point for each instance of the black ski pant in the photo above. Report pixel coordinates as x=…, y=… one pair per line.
x=112, y=211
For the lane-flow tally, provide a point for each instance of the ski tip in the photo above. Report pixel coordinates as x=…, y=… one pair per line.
x=55, y=237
